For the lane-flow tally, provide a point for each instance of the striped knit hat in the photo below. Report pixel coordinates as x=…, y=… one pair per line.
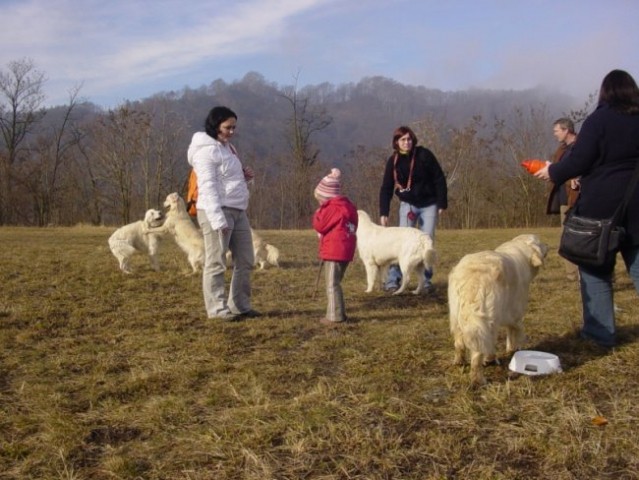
x=330, y=185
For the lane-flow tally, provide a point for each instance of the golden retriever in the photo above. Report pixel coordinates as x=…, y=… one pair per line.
x=265, y=253
x=135, y=237
x=488, y=290
x=379, y=247
x=187, y=236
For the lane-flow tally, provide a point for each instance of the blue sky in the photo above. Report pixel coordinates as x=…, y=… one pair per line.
x=119, y=50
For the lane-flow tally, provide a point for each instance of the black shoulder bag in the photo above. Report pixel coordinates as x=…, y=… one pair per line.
x=592, y=243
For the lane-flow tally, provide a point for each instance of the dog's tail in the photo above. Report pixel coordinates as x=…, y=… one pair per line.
x=272, y=255
x=429, y=257
x=472, y=295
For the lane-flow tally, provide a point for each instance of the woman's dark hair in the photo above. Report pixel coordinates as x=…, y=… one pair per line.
x=400, y=132
x=619, y=90
x=216, y=116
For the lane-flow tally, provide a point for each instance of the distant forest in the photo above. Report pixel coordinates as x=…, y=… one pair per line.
x=77, y=163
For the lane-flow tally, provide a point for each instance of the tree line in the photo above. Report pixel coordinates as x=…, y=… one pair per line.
x=77, y=163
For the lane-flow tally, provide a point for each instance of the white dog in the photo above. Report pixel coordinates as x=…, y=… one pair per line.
x=488, y=290
x=187, y=236
x=379, y=247
x=265, y=253
x=134, y=237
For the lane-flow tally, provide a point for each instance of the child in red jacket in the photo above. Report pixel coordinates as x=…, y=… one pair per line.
x=336, y=223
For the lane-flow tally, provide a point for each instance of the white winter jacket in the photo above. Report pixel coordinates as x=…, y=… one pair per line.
x=220, y=179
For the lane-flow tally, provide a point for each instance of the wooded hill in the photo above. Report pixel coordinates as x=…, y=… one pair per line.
x=77, y=163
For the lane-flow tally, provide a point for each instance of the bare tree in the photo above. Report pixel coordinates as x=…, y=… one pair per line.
x=524, y=135
x=41, y=172
x=21, y=98
x=304, y=122
x=118, y=151
x=163, y=154
x=365, y=174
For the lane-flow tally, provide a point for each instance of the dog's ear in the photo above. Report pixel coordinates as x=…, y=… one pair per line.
x=538, y=255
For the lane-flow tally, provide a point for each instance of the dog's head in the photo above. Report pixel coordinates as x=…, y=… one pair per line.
x=153, y=218
x=538, y=249
x=364, y=218
x=174, y=202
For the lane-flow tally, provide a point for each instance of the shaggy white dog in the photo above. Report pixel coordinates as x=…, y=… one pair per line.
x=134, y=237
x=379, y=247
x=488, y=290
x=265, y=253
x=187, y=236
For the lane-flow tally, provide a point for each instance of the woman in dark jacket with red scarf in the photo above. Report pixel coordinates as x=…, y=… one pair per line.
x=415, y=176
x=604, y=156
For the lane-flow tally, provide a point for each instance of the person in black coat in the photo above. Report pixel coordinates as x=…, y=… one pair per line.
x=604, y=156
x=415, y=176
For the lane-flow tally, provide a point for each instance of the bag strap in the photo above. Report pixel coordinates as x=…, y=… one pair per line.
x=621, y=209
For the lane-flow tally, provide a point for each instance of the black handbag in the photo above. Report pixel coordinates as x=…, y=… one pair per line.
x=592, y=243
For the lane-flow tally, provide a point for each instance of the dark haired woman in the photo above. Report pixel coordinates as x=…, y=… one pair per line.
x=415, y=176
x=604, y=156
x=223, y=198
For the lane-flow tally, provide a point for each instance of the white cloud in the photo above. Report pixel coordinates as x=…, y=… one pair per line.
x=126, y=49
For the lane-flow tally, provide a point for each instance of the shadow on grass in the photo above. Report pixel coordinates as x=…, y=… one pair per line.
x=574, y=351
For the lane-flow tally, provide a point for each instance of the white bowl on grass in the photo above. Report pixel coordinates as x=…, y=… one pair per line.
x=530, y=362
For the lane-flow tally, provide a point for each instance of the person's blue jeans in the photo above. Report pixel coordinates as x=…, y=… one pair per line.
x=425, y=219
x=598, y=300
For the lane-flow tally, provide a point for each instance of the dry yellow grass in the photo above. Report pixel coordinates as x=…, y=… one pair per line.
x=108, y=376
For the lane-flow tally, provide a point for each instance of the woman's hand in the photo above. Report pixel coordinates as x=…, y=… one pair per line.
x=543, y=173
x=249, y=174
x=383, y=221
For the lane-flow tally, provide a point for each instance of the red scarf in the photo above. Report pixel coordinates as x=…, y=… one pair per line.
x=398, y=185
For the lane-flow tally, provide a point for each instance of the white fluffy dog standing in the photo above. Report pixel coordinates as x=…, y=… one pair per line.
x=265, y=253
x=488, y=290
x=135, y=237
x=379, y=247
x=187, y=236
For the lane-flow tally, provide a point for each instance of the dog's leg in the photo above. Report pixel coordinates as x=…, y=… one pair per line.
x=146, y=230
x=477, y=369
x=123, y=252
x=491, y=357
x=405, y=279
x=460, y=350
x=421, y=280
x=124, y=265
x=153, y=253
x=383, y=275
x=515, y=337
x=195, y=261
x=371, y=274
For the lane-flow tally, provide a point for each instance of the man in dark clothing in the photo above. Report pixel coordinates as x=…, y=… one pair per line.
x=562, y=197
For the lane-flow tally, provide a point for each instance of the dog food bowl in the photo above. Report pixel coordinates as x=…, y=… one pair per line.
x=530, y=362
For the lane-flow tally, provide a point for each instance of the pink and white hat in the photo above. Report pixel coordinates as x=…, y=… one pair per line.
x=330, y=186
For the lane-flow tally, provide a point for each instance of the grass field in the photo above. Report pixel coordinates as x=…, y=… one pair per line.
x=112, y=376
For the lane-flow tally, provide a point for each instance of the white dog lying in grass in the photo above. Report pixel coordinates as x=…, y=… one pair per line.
x=135, y=237
x=379, y=247
x=187, y=236
x=265, y=253
x=488, y=290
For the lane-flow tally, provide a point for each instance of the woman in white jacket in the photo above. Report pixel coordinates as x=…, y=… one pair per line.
x=221, y=212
